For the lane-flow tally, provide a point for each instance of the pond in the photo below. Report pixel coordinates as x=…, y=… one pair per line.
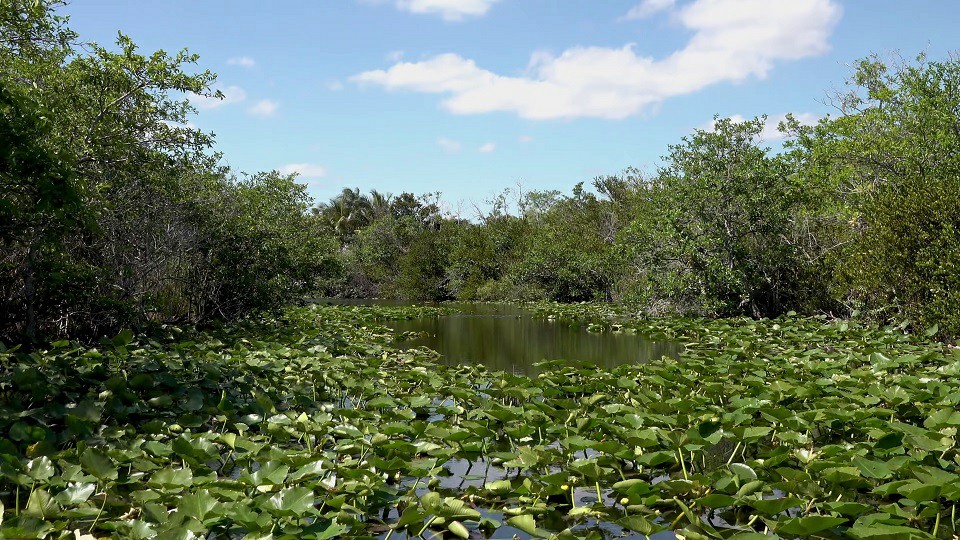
x=507, y=338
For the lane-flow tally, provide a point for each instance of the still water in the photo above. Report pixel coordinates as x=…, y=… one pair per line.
x=507, y=338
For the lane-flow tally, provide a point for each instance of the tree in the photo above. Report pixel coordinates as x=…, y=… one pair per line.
x=114, y=212
x=892, y=158
x=566, y=254
x=40, y=203
x=711, y=240
x=265, y=250
x=348, y=212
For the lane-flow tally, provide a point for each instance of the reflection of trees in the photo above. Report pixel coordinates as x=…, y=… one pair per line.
x=512, y=343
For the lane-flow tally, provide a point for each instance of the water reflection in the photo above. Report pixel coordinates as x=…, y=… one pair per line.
x=506, y=338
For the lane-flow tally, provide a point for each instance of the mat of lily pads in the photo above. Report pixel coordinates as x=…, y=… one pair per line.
x=314, y=425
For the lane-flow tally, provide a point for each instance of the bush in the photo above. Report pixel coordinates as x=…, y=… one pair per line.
x=894, y=159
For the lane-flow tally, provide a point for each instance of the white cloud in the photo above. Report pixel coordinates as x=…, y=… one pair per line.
x=770, y=130
x=264, y=108
x=231, y=96
x=525, y=139
x=335, y=86
x=394, y=56
x=487, y=148
x=732, y=40
x=450, y=146
x=647, y=8
x=449, y=10
x=242, y=61
x=305, y=170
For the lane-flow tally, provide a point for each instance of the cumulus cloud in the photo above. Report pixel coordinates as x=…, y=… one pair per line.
x=770, y=131
x=647, y=8
x=487, y=148
x=264, y=108
x=242, y=61
x=304, y=170
x=231, y=95
x=450, y=146
x=449, y=10
x=731, y=41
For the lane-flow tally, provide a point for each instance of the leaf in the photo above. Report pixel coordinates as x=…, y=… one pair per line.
x=76, y=493
x=525, y=523
x=458, y=529
x=847, y=508
x=944, y=418
x=332, y=531
x=269, y=473
x=41, y=505
x=640, y=525
x=141, y=530
x=743, y=471
x=499, y=486
x=382, y=402
x=431, y=501
x=880, y=531
x=123, y=338
x=314, y=468
x=872, y=469
x=40, y=469
x=199, y=505
x=296, y=500
x=577, y=443
x=98, y=464
x=889, y=441
x=716, y=500
x=171, y=478
x=807, y=525
x=456, y=509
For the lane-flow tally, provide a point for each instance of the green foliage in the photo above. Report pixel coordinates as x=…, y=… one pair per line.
x=567, y=251
x=112, y=211
x=856, y=214
x=481, y=256
x=265, y=249
x=892, y=155
x=711, y=237
x=312, y=424
x=400, y=253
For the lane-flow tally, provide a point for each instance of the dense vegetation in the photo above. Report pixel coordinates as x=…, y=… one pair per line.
x=113, y=212
x=229, y=414
x=313, y=425
x=856, y=214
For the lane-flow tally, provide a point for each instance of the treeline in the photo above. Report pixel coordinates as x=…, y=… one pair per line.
x=113, y=211
x=858, y=214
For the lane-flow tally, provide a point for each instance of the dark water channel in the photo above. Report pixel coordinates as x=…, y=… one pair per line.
x=507, y=338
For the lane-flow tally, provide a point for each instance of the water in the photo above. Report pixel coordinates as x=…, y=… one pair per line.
x=507, y=338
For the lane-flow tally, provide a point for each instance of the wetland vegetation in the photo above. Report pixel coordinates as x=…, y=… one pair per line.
x=316, y=424
x=746, y=343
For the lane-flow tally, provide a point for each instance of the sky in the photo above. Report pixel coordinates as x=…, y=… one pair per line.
x=469, y=97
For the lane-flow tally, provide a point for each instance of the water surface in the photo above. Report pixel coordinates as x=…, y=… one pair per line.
x=507, y=338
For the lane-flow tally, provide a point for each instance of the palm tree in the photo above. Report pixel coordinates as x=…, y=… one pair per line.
x=348, y=212
x=380, y=204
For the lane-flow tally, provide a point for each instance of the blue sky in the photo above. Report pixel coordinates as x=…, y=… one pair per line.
x=468, y=97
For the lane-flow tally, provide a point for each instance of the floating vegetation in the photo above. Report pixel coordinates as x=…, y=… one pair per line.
x=313, y=425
